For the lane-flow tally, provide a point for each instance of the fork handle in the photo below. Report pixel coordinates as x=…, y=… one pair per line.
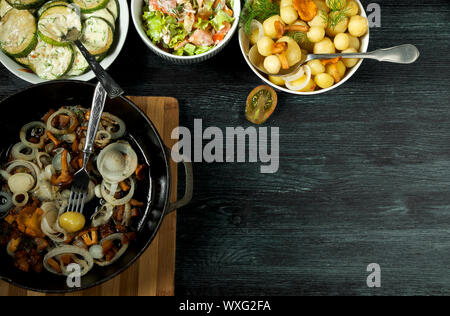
x=98, y=104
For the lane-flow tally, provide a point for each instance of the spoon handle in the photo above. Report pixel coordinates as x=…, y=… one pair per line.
x=403, y=54
x=108, y=83
x=98, y=104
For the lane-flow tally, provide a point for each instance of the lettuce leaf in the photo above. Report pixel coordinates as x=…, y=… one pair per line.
x=220, y=18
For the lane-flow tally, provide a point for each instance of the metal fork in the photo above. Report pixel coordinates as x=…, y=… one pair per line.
x=81, y=179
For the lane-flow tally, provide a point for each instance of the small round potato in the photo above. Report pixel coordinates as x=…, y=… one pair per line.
x=285, y=3
x=272, y=64
x=269, y=26
x=350, y=62
x=341, y=41
x=341, y=27
x=265, y=45
x=321, y=19
x=288, y=14
x=358, y=26
x=325, y=46
x=354, y=42
x=336, y=5
x=352, y=8
x=277, y=80
x=324, y=80
x=316, y=67
x=316, y=34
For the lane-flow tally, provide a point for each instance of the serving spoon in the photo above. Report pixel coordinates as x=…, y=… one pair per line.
x=109, y=84
x=403, y=54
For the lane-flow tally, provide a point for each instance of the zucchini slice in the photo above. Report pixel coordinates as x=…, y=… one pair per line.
x=25, y=4
x=114, y=8
x=89, y=6
x=24, y=61
x=104, y=14
x=4, y=8
x=80, y=65
x=51, y=62
x=51, y=4
x=55, y=22
x=97, y=35
x=18, y=35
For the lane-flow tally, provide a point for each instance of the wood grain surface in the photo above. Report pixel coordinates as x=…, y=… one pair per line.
x=154, y=273
x=364, y=170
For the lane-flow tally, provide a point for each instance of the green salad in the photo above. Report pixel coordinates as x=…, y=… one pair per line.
x=188, y=27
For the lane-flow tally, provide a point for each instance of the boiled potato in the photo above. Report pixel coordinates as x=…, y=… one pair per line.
x=272, y=64
x=269, y=26
x=265, y=45
x=288, y=14
x=72, y=222
x=341, y=41
x=310, y=86
x=358, y=26
x=340, y=68
x=350, y=62
x=277, y=80
x=321, y=20
x=354, y=42
x=294, y=52
x=321, y=5
x=352, y=8
x=325, y=46
x=324, y=80
x=316, y=34
x=336, y=4
x=285, y=3
x=341, y=27
x=254, y=36
x=316, y=67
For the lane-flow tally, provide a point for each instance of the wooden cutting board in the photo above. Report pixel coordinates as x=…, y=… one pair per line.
x=154, y=273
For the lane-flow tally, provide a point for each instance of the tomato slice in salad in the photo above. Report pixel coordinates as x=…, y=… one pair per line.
x=261, y=103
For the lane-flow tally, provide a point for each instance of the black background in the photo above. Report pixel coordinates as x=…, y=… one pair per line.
x=364, y=170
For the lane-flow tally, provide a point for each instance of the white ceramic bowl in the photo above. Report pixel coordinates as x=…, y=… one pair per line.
x=136, y=15
x=245, y=46
x=120, y=35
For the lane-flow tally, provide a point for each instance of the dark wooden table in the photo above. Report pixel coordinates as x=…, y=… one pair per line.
x=364, y=170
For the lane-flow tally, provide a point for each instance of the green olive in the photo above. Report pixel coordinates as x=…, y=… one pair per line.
x=72, y=222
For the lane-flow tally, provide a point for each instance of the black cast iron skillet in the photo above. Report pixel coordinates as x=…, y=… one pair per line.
x=30, y=105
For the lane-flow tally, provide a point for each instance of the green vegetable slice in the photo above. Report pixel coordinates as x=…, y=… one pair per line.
x=25, y=4
x=97, y=35
x=88, y=6
x=55, y=22
x=18, y=35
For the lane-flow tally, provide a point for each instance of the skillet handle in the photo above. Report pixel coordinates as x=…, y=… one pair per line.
x=189, y=191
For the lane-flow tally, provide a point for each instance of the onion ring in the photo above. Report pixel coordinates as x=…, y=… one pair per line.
x=108, y=117
x=300, y=86
x=112, y=200
x=121, y=251
x=16, y=152
x=87, y=265
x=73, y=122
x=25, y=199
x=103, y=215
x=23, y=135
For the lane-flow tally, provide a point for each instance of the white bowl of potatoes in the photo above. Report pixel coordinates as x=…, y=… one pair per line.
x=293, y=28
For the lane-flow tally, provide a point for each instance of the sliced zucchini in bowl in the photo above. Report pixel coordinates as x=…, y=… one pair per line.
x=4, y=8
x=88, y=6
x=18, y=33
x=80, y=65
x=25, y=4
x=104, y=14
x=56, y=21
x=24, y=61
x=114, y=8
x=51, y=62
x=50, y=4
x=98, y=35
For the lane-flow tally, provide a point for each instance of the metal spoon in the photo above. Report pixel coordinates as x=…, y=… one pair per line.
x=403, y=54
x=108, y=83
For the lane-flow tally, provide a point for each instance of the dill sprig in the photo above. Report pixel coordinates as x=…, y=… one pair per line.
x=257, y=10
x=337, y=15
x=300, y=37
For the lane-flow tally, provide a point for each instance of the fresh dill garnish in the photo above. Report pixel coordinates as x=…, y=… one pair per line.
x=300, y=37
x=337, y=15
x=257, y=10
